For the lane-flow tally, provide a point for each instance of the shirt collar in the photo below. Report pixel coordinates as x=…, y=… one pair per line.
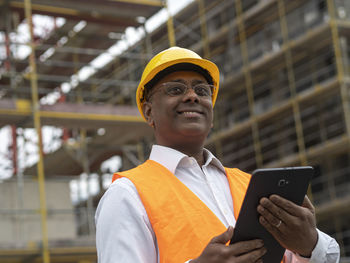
x=170, y=158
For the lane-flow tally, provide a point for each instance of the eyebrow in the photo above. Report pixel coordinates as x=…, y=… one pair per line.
x=194, y=82
x=178, y=80
x=197, y=81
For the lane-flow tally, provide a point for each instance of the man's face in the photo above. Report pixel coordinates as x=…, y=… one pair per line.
x=179, y=118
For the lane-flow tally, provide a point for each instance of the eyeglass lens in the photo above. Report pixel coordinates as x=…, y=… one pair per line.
x=177, y=88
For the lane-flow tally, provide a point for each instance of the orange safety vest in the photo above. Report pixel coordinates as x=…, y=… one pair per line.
x=182, y=223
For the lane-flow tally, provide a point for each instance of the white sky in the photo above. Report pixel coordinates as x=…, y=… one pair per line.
x=27, y=152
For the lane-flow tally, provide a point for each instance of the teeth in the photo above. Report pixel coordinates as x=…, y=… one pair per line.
x=190, y=112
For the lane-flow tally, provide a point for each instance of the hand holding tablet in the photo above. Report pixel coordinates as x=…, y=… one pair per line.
x=275, y=210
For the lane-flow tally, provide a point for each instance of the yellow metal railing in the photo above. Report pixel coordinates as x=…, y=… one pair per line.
x=170, y=25
x=291, y=79
x=248, y=82
x=339, y=63
x=37, y=125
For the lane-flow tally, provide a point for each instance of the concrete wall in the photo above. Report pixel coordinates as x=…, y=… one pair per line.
x=19, y=213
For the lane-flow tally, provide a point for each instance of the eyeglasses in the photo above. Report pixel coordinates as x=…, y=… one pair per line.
x=178, y=89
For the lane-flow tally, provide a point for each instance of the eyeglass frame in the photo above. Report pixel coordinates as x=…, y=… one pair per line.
x=211, y=88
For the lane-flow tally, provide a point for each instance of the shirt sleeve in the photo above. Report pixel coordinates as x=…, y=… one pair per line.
x=123, y=230
x=326, y=251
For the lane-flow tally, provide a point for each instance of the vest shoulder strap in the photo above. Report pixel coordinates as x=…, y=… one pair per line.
x=239, y=182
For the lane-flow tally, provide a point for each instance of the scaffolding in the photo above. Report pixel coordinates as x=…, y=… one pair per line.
x=55, y=59
x=284, y=95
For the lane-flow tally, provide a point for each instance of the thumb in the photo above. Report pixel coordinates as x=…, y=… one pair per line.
x=224, y=237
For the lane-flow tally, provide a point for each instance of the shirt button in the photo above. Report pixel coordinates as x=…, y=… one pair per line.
x=225, y=211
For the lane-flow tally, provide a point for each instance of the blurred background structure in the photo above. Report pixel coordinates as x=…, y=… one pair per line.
x=68, y=75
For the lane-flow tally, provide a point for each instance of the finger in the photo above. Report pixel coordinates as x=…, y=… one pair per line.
x=307, y=204
x=275, y=231
x=286, y=205
x=252, y=256
x=245, y=246
x=272, y=219
x=278, y=212
x=224, y=237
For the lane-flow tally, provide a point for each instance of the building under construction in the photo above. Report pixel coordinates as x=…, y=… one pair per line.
x=284, y=100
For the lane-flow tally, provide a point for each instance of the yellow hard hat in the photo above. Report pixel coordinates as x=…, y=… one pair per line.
x=170, y=57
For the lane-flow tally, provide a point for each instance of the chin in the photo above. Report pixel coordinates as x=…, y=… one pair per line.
x=194, y=131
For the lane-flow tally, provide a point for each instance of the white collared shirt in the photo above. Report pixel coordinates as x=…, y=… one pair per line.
x=123, y=230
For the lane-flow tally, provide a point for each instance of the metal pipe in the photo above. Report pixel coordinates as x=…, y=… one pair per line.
x=85, y=162
x=339, y=63
x=170, y=25
x=292, y=86
x=35, y=211
x=248, y=83
x=8, y=53
x=37, y=125
x=141, y=2
x=204, y=31
x=148, y=41
x=140, y=151
x=86, y=169
x=95, y=81
x=14, y=149
x=44, y=91
x=84, y=51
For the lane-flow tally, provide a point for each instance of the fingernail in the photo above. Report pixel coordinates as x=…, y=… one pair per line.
x=274, y=197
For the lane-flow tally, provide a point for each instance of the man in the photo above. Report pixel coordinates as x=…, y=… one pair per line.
x=181, y=205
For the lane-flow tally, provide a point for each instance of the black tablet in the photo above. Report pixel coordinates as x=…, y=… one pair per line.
x=290, y=183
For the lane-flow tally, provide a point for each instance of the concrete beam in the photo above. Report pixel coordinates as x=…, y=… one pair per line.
x=58, y=254
x=70, y=115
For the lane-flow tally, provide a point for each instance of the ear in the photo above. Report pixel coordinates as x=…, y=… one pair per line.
x=147, y=112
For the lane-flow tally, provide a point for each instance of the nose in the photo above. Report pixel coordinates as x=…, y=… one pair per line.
x=190, y=95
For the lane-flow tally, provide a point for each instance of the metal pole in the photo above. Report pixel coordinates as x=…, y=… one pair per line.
x=340, y=65
x=85, y=160
x=19, y=178
x=170, y=24
x=9, y=66
x=148, y=41
x=86, y=169
x=292, y=86
x=20, y=189
x=248, y=83
x=37, y=125
x=8, y=53
x=204, y=31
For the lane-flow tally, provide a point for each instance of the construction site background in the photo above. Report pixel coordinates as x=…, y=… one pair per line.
x=68, y=117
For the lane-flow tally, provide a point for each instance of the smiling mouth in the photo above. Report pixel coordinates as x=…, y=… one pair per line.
x=190, y=113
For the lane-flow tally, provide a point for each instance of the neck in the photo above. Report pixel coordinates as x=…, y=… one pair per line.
x=198, y=154
x=195, y=151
